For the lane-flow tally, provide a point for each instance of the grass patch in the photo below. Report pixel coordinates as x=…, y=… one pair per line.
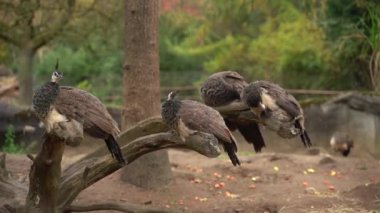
x=9, y=144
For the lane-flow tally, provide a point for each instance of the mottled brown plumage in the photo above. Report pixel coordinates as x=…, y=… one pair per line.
x=88, y=109
x=222, y=88
x=79, y=111
x=278, y=109
x=341, y=142
x=187, y=117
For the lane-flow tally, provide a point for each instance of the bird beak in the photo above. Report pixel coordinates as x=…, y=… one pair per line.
x=262, y=107
x=345, y=147
x=258, y=110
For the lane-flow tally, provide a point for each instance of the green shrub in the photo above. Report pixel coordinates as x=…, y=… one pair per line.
x=9, y=143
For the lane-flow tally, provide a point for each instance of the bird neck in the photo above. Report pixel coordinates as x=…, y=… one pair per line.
x=170, y=110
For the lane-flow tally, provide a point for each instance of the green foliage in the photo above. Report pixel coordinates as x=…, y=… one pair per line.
x=79, y=64
x=95, y=66
x=352, y=31
x=264, y=40
x=9, y=143
x=175, y=28
x=299, y=44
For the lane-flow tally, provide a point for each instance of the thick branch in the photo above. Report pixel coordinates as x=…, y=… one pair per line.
x=44, y=37
x=125, y=207
x=3, y=169
x=45, y=175
x=149, y=126
x=5, y=35
x=89, y=170
x=237, y=110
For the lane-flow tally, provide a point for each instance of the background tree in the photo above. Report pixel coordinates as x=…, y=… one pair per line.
x=29, y=25
x=142, y=87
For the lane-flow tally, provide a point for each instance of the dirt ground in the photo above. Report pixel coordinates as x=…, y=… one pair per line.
x=266, y=182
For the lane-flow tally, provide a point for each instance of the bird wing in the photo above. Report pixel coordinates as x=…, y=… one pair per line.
x=236, y=81
x=86, y=108
x=200, y=117
x=283, y=99
x=222, y=88
x=251, y=132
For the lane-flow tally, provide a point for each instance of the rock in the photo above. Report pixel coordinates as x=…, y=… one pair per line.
x=326, y=160
x=311, y=190
x=313, y=151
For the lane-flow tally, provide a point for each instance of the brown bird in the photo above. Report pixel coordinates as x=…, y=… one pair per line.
x=341, y=142
x=278, y=109
x=186, y=117
x=223, y=88
x=54, y=104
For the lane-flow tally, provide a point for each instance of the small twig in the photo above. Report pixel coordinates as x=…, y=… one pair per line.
x=31, y=157
x=84, y=177
x=2, y=160
x=125, y=207
x=9, y=208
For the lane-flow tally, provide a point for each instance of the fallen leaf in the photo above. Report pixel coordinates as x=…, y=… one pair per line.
x=232, y=178
x=196, y=180
x=333, y=173
x=255, y=179
x=231, y=195
x=310, y=170
x=275, y=168
x=217, y=175
x=203, y=199
x=331, y=187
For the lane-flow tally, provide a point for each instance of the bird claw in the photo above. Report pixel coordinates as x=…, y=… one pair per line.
x=194, y=132
x=294, y=131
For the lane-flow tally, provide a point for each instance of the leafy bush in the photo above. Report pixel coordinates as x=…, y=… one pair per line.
x=9, y=143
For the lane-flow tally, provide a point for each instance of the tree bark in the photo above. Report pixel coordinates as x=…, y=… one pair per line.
x=45, y=172
x=45, y=176
x=142, y=88
x=25, y=75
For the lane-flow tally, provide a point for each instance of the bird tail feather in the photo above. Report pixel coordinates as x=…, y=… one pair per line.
x=115, y=150
x=251, y=133
x=231, y=151
x=304, y=136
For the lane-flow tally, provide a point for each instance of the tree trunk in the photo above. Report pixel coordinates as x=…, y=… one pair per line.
x=25, y=75
x=45, y=176
x=142, y=88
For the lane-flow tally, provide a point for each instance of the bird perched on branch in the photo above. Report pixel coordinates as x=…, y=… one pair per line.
x=221, y=89
x=55, y=105
x=186, y=117
x=341, y=142
x=277, y=109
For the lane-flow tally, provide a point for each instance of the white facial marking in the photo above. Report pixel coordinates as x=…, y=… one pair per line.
x=262, y=106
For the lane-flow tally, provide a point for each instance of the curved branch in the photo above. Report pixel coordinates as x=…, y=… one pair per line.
x=72, y=181
x=237, y=110
x=125, y=207
x=149, y=126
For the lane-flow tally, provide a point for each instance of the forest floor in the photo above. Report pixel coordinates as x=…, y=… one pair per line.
x=266, y=182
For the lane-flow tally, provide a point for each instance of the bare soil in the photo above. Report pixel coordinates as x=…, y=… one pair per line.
x=266, y=182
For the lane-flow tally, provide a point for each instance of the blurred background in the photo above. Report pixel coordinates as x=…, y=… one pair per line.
x=325, y=52
x=316, y=48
